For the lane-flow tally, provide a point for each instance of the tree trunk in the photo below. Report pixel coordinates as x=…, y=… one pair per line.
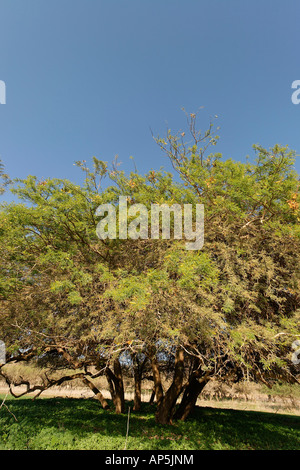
x=115, y=381
x=138, y=368
x=137, y=391
x=119, y=388
x=152, y=396
x=157, y=380
x=98, y=394
x=109, y=375
x=191, y=393
x=166, y=405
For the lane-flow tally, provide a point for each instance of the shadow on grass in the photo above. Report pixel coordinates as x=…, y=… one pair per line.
x=70, y=423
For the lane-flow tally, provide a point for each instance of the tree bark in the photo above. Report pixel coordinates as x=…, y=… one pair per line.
x=137, y=391
x=152, y=396
x=115, y=381
x=157, y=380
x=98, y=394
x=138, y=370
x=191, y=393
x=119, y=388
x=166, y=404
x=109, y=375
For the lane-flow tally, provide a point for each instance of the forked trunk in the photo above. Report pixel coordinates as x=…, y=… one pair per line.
x=139, y=366
x=189, y=399
x=115, y=381
x=166, y=404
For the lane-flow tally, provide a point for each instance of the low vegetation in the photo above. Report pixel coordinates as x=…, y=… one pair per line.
x=70, y=424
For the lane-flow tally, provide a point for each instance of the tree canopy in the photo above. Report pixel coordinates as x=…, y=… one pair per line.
x=230, y=310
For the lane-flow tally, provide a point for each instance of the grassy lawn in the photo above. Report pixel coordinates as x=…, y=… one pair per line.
x=65, y=423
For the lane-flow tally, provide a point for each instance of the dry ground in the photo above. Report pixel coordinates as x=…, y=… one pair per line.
x=242, y=397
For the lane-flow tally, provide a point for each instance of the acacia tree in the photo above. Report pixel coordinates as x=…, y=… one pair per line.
x=248, y=311
x=229, y=311
x=57, y=278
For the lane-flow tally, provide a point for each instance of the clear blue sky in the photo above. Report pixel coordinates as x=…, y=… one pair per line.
x=91, y=77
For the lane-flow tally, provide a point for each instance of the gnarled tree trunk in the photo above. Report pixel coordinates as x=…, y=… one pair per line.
x=166, y=402
x=138, y=375
x=193, y=388
x=98, y=394
x=115, y=382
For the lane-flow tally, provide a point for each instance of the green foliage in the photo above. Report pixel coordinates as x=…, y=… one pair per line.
x=234, y=304
x=4, y=178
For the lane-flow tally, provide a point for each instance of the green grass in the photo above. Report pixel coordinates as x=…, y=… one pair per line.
x=64, y=423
